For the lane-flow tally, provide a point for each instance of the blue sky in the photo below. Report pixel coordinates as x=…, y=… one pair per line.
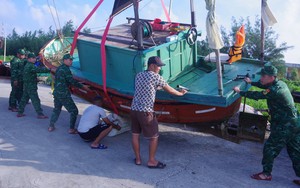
x=29, y=15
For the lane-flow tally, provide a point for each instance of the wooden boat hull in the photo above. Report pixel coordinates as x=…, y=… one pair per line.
x=166, y=111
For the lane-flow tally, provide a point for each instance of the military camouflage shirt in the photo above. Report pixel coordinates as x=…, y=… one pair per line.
x=279, y=99
x=16, y=68
x=63, y=80
x=30, y=75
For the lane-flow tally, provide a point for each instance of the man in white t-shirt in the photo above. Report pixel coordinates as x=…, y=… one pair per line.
x=94, y=124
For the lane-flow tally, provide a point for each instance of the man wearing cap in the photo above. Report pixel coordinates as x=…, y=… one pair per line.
x=285, y=128
x=30, y=87
x=94, y=124
x=62, y=96
x=142, y=110
x=16, y=67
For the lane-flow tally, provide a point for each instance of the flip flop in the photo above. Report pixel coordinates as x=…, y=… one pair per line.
x=261, y=176
x=42, y=117
x=159, y=165
x=296, y=182
x=134, y=160
x=100, y=146
x=20, y=115
x=73, y=131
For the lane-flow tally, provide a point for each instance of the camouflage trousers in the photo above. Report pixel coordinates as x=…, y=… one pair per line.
x=15, y=94
x=30, y=93
x=69, y=104
x=281, y=136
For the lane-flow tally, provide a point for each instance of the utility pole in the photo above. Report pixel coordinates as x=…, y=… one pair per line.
x=4, y=36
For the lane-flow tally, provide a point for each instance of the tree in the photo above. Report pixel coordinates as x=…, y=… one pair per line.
x=68, y=29
x=33, y=41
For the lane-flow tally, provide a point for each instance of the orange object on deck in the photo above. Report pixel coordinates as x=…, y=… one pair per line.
x=235, y=52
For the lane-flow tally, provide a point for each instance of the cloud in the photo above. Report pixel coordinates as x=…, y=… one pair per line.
x=8, y=9
x=288, y=28
x=29, y=2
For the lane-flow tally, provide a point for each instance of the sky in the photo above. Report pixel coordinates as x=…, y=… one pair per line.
x=30, y=15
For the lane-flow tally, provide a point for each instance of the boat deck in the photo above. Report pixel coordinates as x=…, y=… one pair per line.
x=201, y=82
x=121, y=37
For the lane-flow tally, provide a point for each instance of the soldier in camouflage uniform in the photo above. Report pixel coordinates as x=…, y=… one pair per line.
x=16, y=66
x=285, y=128
x=30, y=87
x=62, y=96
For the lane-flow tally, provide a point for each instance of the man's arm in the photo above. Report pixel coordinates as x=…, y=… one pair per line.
x=256, y=84
x=173, y=91
x=256, y=95
x=108, y=122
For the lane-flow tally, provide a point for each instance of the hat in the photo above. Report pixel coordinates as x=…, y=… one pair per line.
x=21, y=51
x=31, y=55
x=68, y=56
x=269, y=70
x=155, y=60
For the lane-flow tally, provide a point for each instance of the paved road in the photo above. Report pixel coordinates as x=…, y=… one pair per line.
x=31, y=157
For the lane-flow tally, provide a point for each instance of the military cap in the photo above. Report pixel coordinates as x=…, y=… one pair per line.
x=31, y=55
x=269, y=70
x=21, y=51
x=68, y=56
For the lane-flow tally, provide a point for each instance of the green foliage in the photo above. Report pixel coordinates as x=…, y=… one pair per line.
x=7, y=58
x=294, y=74
x=262, y=104
x=30, y=41
x=34, y=40
x=68, y=29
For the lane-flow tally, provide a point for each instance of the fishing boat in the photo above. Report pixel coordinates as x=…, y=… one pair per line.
x=108, y=60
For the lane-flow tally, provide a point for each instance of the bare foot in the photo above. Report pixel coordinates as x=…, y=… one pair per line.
x=50, y=129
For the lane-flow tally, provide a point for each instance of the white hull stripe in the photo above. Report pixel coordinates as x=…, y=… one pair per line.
x=126, y=107
x=157, y=112
x=205, y=111
x=162, y=113
x=83, y=91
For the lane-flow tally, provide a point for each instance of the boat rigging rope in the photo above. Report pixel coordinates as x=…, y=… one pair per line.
x=57, y=26
x=103, y=60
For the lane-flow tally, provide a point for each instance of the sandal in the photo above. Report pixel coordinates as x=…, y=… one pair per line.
x=159, y=165
x=134, y=160
x=296, y=182
x=73, y=131
x=20, y=115
x=42, y=116
x=262, y=176
x=100, y=146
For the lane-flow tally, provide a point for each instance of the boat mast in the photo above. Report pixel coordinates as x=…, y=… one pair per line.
x=193, y=18
x=137, y=21
x=4, y=36
x=262, y=36
x=170, y=7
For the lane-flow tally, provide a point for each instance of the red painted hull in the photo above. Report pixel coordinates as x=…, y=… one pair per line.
x=167, y=111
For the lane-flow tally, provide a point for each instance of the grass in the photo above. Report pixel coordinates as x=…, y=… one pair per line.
x=262, y=104
x=7, y=58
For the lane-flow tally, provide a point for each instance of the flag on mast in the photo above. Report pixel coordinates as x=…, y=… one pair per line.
x=267, y=15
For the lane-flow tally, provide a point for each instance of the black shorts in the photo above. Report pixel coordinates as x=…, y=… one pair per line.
x=93, y=133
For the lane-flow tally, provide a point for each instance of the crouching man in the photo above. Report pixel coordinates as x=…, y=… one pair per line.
x=94, y=124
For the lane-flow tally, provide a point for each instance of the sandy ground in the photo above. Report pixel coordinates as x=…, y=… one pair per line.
x=31, y=157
